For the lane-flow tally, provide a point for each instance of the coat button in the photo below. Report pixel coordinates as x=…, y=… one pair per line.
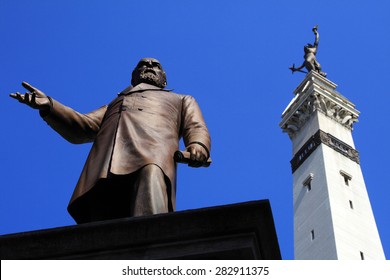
x=140, y=109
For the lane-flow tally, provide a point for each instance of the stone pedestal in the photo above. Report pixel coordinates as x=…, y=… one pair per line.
x=238, y=231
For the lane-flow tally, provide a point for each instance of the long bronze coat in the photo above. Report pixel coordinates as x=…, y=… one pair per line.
x=143, y=125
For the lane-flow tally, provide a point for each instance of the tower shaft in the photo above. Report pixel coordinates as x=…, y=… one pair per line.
x=333, y=218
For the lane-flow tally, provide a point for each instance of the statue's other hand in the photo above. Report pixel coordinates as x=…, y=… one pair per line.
x=34, y=98
x=198, y=155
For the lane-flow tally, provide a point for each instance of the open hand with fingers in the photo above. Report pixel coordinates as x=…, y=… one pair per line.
x=34, y=98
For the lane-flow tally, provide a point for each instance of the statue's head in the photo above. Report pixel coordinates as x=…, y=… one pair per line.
x=307, y=47
x=150, y=71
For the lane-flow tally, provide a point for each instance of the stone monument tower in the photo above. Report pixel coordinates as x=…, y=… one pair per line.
x=333, y=218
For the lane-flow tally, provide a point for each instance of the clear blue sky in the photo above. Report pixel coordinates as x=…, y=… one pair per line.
x=232, y=56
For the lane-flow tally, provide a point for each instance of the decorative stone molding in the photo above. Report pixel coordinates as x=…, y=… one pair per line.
x=335, y=111
x=316, y=93
x=321, y=137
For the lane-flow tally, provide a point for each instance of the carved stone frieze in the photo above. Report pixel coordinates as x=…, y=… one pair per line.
x=321, y=137
x=316, y=93
x=335, y=111
x=317, y=101
x=300, y=116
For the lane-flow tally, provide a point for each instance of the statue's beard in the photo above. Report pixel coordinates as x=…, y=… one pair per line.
x=151, y=78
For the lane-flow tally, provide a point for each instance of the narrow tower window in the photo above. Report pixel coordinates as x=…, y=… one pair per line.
x=346, y=177
x=308, y=186
x=361, y=255
x=312, y=234
x=351, y=204
x=307, y=182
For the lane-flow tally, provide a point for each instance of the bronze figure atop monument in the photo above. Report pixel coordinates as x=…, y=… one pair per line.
x=130, y=170
x=310, y=61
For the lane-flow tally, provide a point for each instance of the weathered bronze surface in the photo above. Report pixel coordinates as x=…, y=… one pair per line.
x=310, y=61
x=130, y=170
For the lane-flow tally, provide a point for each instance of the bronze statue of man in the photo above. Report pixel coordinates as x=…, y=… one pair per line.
x=130, y=170
x=310, y=61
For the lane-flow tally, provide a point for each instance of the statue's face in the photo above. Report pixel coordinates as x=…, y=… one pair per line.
x=307, y=47
x=149, y=70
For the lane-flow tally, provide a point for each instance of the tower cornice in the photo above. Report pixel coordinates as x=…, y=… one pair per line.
x=316, y=93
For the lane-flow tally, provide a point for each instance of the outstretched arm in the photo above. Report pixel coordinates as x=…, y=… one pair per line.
x=293, y=69
x=317, y=36
x=75, y=127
